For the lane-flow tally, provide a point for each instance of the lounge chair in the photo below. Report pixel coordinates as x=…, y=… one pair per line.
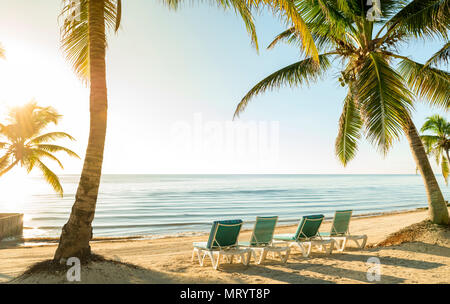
x=340, y=231
x=307, y=235
x=223, y=241
x=261, y=240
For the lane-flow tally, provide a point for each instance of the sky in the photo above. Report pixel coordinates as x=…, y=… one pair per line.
x=174, y=79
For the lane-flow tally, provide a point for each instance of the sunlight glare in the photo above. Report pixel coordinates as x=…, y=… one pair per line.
x=16, y=189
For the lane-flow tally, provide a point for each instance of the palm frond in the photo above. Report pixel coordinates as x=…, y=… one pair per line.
x=429, y=142
x=75, y=31
x=56, y=148
x=436, y=124
x=440, y=57
x=422, y=18
x=302, y=72
x=350, y=125
x=445, y=169
x=429, y=83
x=50, y=177
x=39, y=153
x=50, y=136
x=244, y=11
x=288, y=9
x=324, y=38
x=5, y=161
x=384, y=101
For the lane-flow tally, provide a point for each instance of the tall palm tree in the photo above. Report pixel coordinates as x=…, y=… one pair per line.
x=379, y=100
x=24, y=144
x=437, y=143
x=84, y=41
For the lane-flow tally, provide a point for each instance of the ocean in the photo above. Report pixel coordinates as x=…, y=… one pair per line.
x=161, y=205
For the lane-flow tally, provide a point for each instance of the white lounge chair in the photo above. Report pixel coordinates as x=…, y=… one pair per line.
x=307, y=236
x=261, y=241
x=223, y=241
x=340, y=231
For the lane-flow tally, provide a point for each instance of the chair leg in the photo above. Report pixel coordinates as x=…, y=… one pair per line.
x=364, y=242
x=286, y=256
x=308, y=250
x=193, y=254
x=214, y=261
x=262, y=256
x=202, y=260
x=331, y=247
x=342, y=244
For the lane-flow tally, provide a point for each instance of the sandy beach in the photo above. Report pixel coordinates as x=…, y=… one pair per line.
x=168, y=260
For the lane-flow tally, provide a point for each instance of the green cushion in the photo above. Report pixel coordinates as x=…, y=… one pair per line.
x=284, y=237
x=341, y=222
x=263, y=231
x=309, y=226
x=224, y=234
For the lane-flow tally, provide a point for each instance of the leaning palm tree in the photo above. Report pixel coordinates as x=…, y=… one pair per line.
x=24, y=144
x=84, y=40
x=380, y=98
x=437, y=143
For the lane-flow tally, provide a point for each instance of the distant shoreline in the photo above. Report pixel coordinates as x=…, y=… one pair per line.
x=51, y=241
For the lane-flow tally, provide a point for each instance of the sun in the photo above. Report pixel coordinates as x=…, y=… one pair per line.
x=25, y=73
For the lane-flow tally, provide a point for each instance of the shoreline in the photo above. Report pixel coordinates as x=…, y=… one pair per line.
x=168, y=260
x=47, y=241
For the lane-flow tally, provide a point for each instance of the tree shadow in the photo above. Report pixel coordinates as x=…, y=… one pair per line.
x=293, y=276
x=353, y=274
x=421, y=247
x=388, y=260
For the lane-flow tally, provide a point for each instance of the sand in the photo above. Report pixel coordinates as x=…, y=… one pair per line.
x=425, y=258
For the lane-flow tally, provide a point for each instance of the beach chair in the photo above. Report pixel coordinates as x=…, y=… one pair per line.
x=261, y=240
x=222, y=242
x=340, y=231
x=307, y=236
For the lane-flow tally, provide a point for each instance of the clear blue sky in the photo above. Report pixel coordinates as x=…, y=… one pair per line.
x=165, y=69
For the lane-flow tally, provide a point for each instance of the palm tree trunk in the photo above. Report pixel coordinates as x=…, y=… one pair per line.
x=437, y=208
x=77, y=232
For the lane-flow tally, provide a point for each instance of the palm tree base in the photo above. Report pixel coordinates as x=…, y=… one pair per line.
x=74, y=242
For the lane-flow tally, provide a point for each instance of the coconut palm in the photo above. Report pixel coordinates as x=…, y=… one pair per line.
x=379, y=99
x=437, y=143
x=24, y=144
x=84, y=40
x=2, y=52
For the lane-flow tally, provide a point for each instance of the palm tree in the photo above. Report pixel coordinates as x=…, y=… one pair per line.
x=84, y=41
x=2, y=52
x=379, y=99
x=438, y=143
x=26, y=145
